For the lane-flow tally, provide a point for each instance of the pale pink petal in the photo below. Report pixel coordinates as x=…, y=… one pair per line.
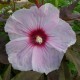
x=46, y=59
x=49, y=10
x=61, y=36
x=16, y=45
x=13, y=36
x=45, y=15
x=20, y=54
x=37, y=15
x=51, y=15
x=26, y=17
x=15, y=29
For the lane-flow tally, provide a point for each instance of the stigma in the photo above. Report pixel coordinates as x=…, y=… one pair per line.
x=39, y=40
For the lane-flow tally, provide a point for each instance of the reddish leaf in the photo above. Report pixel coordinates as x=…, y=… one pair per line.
x=66, y=12
x=77, y=78
x=54, y=75
x=2, y=20
x=3, y=55
x=29, y=75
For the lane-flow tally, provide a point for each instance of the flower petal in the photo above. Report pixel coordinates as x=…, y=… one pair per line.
x=20, y=54
x=16, y=45
x=21, y=23
x=61, y=36
x=13, y=36
x=15, y=29
x=45, y=15
x=37, y=15
x=51, y=14
x=46, y=59
x=26, y=17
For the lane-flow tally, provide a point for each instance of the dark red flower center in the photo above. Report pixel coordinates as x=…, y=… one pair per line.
x=38, y=37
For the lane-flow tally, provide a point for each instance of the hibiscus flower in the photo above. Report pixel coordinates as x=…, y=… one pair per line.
x=39, y=39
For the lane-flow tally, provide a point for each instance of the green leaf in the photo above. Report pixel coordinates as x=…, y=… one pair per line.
x=76, y=25
x=72, y=68
x=31, y=1
x=7, y=73
x=29, y=75
x=74, y=58
x=3, y=5
x=61, y=73
x=0, y=78
x=67, y=72
x=56, y=3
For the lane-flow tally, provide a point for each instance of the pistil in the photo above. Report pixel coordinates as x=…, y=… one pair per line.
x=39, y=39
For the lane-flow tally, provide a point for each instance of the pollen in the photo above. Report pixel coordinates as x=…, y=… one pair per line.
x=39, y=39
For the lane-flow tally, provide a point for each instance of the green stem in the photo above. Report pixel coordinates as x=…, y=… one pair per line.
x=56, y=3
x=42, y=2
x=14, y=5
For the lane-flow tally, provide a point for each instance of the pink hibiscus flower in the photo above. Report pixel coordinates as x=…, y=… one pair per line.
x=39, y=39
